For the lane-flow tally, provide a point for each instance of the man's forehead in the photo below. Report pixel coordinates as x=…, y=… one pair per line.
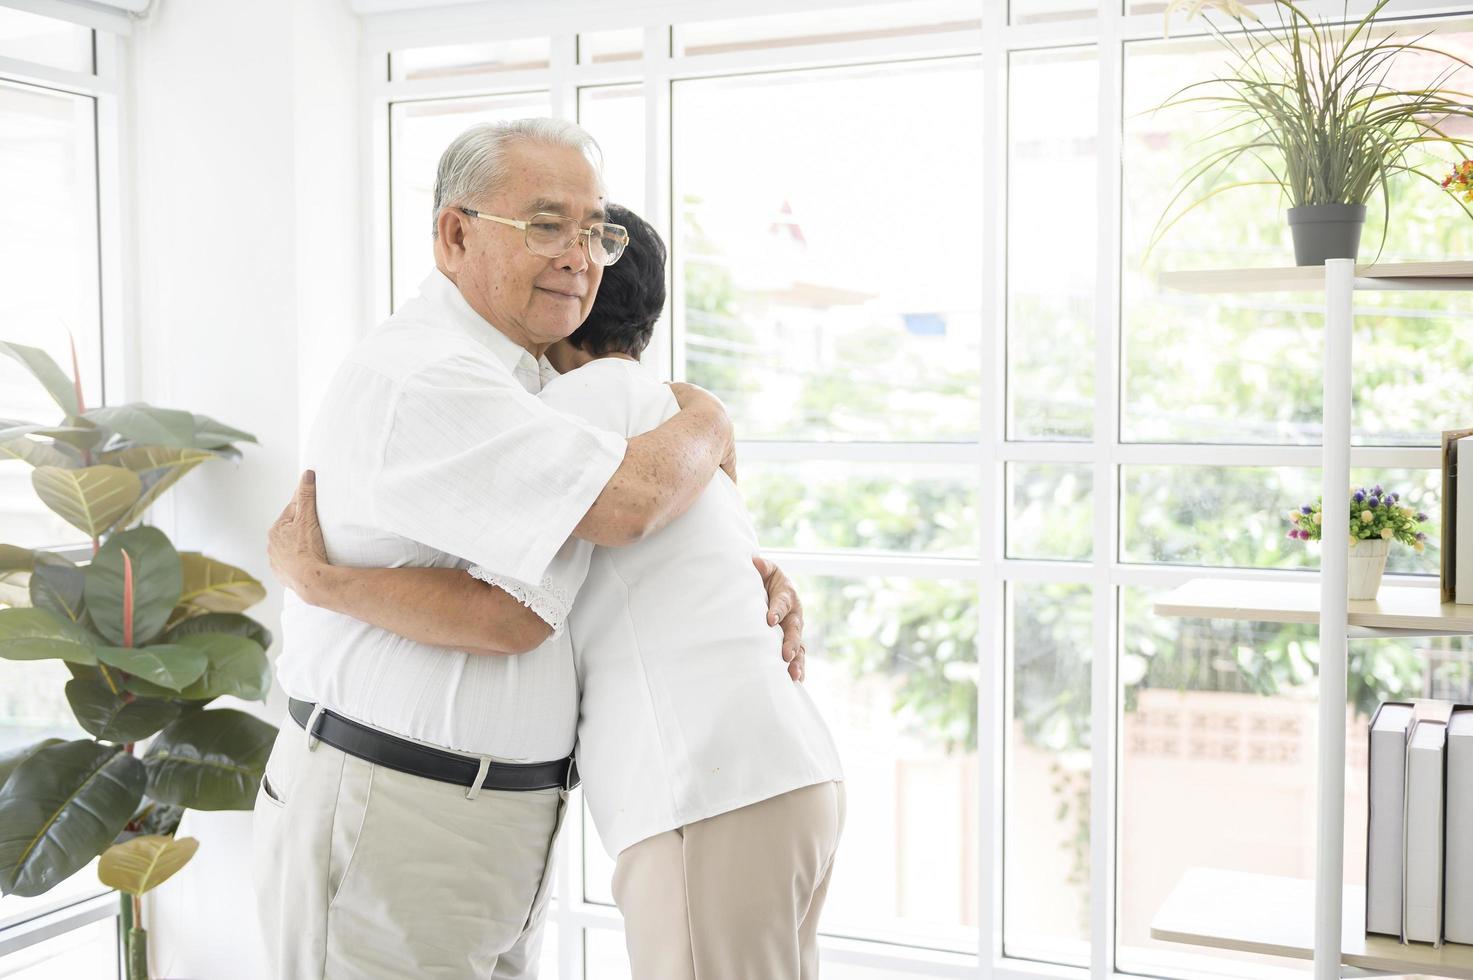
x=553, y=180
x=564, y=205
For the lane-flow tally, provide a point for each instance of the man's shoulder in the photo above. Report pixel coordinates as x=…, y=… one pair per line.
x=405, y=347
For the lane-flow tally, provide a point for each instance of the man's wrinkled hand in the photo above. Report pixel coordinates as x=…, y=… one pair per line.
x=295, y=545
x=784, y=609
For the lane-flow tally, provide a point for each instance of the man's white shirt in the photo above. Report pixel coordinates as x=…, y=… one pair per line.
x=687, y=708
x=431, y=449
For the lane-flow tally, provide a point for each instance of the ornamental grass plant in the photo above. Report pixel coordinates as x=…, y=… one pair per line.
x=1313, y=103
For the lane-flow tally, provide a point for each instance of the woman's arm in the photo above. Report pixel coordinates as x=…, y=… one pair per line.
x=442, y=607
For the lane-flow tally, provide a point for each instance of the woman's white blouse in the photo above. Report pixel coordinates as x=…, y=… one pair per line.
x=687, y=710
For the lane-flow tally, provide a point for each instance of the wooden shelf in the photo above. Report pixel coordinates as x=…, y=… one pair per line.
x=1266, y=914
x=1400, y=275
x=1397, y=607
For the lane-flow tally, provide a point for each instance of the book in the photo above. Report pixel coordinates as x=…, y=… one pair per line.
x=1458, y=870
x=1387, y=779
x=1462, y=543
x=1422, y=830
x=1449, y=512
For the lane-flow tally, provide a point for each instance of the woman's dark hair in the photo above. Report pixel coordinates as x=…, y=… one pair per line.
x=631, y=296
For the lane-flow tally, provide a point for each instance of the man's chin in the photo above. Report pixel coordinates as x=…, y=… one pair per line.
x=554, y=331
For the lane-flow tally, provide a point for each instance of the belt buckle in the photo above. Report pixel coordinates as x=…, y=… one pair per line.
x=570, y=776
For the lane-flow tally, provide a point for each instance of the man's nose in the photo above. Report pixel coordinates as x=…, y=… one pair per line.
x=575, y=259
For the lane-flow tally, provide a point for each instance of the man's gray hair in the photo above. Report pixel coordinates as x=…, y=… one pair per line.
x=474, y=164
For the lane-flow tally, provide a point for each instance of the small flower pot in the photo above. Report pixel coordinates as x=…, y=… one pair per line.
x=1364, y=566
x=1326, y=231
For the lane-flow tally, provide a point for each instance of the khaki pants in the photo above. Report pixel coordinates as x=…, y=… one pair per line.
x=364, y=872
x=734, y=897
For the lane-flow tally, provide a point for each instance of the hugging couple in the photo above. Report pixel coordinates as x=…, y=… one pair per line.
x=516, y=560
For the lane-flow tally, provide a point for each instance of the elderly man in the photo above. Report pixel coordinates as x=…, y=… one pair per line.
x=405, y=828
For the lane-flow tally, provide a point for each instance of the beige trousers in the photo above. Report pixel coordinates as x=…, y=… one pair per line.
x=733, y=897
x=363, y=872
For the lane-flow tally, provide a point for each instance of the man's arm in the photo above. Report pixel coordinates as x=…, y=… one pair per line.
x=442, y=607
x=446, y=606
x=663, y=472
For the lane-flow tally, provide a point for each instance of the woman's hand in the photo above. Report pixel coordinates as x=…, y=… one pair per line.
x=784, y=608
x=295, y=545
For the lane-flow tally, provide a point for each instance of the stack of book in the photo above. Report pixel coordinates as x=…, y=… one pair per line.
x=1419, y=833
x=1457, y=542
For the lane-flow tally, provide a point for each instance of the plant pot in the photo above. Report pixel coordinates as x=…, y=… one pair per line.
x=1364, y=567
x=1326, y=231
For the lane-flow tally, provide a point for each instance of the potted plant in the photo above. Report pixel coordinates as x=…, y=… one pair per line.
x=1312, y=104
x=1377, y=518
x=150, y=635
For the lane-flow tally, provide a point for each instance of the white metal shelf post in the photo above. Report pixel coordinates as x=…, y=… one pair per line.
x=1334, y=618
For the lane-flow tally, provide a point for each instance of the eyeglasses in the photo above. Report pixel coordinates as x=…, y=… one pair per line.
x=551, y=235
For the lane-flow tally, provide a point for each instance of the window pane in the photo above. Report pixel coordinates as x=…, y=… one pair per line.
x=1051, y=283
x=891, y=20
x=1237, y=515
x=598, y=867
x=420, y=132
x=45, y=41
x=89, y=951
x=548, y=961
x=1042, y=11
x=599, y=47
x=893, y=667
x=909, y=507
x=814, y=306
x=604, y=955
x=48, y=277
x=1220, y=712
x=33, y=703
x=458, y=60
x=1046, y=832
x=1179, y=22
x=1050, y=511
x=615, y=115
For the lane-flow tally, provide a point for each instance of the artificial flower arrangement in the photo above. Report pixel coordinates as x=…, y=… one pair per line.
x=1373, y=514
x=1377, y=518
x=1460, y=182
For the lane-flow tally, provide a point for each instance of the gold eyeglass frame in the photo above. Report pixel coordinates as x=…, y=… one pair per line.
x=584, y=233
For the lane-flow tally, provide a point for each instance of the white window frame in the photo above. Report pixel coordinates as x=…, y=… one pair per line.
x=1108, y=31
x=108, y=87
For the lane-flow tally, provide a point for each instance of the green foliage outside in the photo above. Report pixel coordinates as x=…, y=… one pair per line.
x=1196, y=369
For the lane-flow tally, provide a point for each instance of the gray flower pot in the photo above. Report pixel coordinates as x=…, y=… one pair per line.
x=1326, y=231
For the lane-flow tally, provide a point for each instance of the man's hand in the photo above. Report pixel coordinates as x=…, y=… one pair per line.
x=695, y=398
x=786, y=609
x=295, y=545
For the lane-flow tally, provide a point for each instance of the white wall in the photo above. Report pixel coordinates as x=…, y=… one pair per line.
x=248, y=258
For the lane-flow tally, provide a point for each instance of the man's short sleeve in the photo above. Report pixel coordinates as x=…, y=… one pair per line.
x=475, y=466
x=552, y=597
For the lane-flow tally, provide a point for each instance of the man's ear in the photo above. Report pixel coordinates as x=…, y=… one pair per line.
x=450, y=228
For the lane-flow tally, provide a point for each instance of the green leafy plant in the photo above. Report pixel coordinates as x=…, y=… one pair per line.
x=1374, y=513
x=151, y=637
x=1313, y=105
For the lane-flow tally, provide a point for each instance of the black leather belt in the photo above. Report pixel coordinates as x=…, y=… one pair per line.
x=402, y=755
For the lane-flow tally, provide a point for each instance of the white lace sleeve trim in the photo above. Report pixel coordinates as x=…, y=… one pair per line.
x=549, y=601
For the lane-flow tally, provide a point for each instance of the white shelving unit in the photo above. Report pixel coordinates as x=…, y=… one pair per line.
x=1227, y=911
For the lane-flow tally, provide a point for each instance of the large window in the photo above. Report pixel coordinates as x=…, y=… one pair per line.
x=55, y=142
x=982, y=436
